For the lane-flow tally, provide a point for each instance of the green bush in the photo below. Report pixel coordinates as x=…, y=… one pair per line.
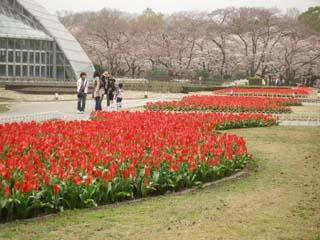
x=239, y=75
x=198, y=88
x=154, y=86
x=255, y=81
x=158, y=74
x=99, y=68
x=201, y=73
x=171, y=86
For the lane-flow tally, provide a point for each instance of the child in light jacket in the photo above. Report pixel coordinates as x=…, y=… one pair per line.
x=119, y=95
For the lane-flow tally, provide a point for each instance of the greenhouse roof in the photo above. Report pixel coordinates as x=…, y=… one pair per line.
x=77, y=57
x=14, y=28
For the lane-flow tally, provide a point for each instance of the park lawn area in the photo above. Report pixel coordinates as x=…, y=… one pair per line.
x=311, y=109
x=3, y=108
x=279, y=199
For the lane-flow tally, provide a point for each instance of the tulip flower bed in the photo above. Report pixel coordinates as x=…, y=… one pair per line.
x=222, y=121
x=279, y=92
x=227, y=104
x=55, y=165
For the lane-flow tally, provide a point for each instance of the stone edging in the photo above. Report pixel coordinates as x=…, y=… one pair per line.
x=243, y=173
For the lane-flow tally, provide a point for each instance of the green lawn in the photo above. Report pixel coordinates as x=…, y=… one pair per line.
x=2, y=99
x=3, y=108
x=280, y=199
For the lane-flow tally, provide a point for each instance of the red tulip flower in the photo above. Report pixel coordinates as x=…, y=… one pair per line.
x=55, y=188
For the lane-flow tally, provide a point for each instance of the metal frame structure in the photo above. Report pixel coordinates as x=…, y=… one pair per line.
x=34, y=45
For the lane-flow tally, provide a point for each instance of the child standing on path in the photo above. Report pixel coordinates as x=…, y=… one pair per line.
x=111, y=89
x=119, y=95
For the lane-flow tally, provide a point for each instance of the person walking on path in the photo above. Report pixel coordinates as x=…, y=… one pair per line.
x=98, y=91
x=82, y=90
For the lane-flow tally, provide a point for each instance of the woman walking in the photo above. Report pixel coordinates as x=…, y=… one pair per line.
x=98, y=91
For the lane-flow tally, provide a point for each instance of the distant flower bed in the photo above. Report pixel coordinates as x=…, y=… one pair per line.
x=55, y=165
x=227, y=104
x=285, y=92
x=221, y=121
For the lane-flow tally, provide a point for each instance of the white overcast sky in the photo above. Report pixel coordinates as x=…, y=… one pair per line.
x=169, y=6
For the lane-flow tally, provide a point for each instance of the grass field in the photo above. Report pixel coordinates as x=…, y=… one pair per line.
x=280, y=199
x=3, y=108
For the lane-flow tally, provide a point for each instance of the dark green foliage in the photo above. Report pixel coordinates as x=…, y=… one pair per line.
x=311, y=18
x=158, y=74
x=201, y=73
x=255, y=81
x=99, y=68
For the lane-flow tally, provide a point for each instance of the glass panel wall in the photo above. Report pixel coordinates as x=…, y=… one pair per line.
x=22, y=56
x=25, y=58
x=63, y=68
x=3, y=56
x=3, y=70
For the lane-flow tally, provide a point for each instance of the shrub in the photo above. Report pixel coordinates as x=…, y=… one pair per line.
x=158, y=74
x=255, y=81
x=201, y=73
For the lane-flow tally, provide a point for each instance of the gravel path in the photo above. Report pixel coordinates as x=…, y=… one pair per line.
x=40, y=111
x=46, y=110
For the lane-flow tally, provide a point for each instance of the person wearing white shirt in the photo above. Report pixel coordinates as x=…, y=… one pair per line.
x=82, y=90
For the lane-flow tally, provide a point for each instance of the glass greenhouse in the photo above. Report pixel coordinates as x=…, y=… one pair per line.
x=34, y=45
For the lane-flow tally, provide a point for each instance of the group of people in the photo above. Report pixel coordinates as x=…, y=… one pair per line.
x=103, y=86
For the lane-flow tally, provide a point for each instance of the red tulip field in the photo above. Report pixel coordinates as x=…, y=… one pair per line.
x=54, y=165
x=227, y=104
x=160, y=120
x=280, y=92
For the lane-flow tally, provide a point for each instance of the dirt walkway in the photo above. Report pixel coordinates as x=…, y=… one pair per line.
x=22, y=97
